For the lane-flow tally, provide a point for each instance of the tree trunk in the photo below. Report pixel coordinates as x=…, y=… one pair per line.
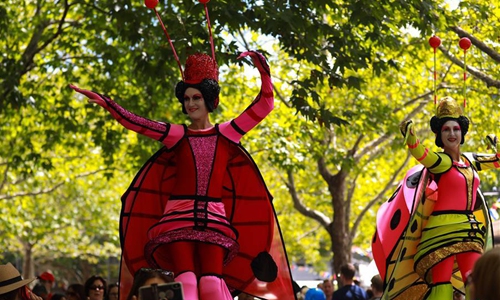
x=341, y=251
x=339, y=229
x=28, y=265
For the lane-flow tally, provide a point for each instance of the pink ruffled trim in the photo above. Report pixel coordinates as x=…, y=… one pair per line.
x=207, y=236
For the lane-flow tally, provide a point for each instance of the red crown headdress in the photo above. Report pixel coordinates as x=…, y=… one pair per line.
x=198, y=66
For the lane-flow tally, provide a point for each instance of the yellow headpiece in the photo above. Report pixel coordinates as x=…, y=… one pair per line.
x=448, y=107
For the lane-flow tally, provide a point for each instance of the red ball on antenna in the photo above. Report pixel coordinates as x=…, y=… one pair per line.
x=464, y=43
x=151, y=3
x=434, y=41
x=204, y=1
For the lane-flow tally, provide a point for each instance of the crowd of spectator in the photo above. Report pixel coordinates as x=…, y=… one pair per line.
x=348, y=288
x=482, y=284
x=13, y=287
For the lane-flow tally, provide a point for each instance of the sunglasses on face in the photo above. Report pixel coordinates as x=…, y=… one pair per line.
x=97, y=288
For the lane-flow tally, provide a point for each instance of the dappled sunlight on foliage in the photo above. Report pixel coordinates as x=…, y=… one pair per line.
x=345, y=75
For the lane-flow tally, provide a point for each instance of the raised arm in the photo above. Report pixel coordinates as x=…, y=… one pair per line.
x=166, y=133
x=486, y=161
x=262, y=105
x=433, y=161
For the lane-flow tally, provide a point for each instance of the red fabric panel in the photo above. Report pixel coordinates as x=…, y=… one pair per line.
x=248, y=206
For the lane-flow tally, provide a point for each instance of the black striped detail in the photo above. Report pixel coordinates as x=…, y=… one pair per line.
x=236, y=128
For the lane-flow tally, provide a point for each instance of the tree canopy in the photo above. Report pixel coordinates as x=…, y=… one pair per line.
x=345, y=73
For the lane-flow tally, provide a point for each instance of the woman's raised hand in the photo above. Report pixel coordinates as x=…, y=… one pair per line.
x=92, y=97
x=258, y=60
x=492, y=142
x=405, y=126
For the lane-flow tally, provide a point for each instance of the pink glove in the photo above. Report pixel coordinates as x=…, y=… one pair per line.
x=258, y=60
x=93, y=97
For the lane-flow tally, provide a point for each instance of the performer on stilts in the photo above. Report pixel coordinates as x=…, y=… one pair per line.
x=436, y=225
x=199, y=207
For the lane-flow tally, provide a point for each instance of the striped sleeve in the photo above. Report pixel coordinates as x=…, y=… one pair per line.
x=436, y=162
x=484, y=161
x=262, y=105
x=168, y=134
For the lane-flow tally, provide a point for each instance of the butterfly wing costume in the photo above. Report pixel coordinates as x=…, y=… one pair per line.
x=437, y=212
x=203, y=186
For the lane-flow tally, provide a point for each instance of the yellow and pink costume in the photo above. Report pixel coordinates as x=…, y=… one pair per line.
x=436, y=215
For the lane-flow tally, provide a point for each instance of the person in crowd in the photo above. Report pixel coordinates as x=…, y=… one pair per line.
x=302, y=293
x=95, y=288
x=44, y=286
x=369, y=293
x=328, y=289
x=377, y=286
x=113, y=291
x=320, y=286
x=40, y=290
x=315, y=294
x=484, y=280
x=13, y=286
x=76, y=291
x=58, y=296
x=494, y=211
x=349, y=290
x=147, y=277
x=60, y=286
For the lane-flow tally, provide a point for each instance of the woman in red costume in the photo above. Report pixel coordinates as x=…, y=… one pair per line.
x=199, y=207
x=443, y=235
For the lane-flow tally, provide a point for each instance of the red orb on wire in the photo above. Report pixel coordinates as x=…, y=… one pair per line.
x=464, y=43
x=434, y=41
x=204, y=1
x=151, y=3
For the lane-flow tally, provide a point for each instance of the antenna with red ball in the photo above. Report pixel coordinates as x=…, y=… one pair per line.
x=152, y=4
x=435, y=41
x=204, y=2
x=464, y=43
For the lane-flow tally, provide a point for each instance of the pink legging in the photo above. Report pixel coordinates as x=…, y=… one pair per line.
x=199, y=266
x=199, y=258
x=442, y=271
